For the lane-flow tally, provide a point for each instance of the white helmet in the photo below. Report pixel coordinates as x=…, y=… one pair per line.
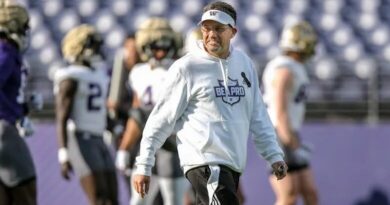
x=156, y=32
x=81, y=44
x=299, y=37
x=14, y=21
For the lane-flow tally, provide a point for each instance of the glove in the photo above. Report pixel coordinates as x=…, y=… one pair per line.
x=36, y=101
x=25, y=127
x=122, y=160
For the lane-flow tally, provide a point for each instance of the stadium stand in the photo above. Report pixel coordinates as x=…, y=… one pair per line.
x=352, y=60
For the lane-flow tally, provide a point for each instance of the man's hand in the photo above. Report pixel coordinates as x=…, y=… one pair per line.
x=279, y=169
x=141, y=184
x=66, y=169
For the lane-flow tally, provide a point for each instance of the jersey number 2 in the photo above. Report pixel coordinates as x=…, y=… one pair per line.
x=95, y=93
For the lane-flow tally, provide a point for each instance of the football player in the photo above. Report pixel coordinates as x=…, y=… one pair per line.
x=17, y=172
x=284, y=81
x=120, y=99
x=157, y=45
x=81, y=90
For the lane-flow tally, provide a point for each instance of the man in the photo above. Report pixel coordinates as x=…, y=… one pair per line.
x=192, y=39
x=157, y=45
x=81, y=91
x=119, y=94
x=284, y=81
x=212, y=101
x=120, y=99
x=17, y=172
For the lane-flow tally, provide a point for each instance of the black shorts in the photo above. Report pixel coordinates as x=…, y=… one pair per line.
x=217, y=184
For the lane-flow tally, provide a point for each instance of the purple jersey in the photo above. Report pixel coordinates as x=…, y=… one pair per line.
x=12, y=82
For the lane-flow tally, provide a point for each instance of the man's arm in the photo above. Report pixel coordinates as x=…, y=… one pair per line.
x=133, y=128
x=131, y=135
x=6, y=69
x=170, y=106
x=281, y=87
x=64, y=103
x=264, y=134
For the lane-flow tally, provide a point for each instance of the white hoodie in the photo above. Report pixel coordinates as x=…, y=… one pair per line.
x=212, y=125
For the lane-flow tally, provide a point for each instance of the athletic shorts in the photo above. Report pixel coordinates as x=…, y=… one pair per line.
x=16, y=163
x=88, y=153
x=294, y=161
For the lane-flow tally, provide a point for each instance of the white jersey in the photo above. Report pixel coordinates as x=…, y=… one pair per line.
x=146, y=83
x=212, y=104
x=296, y=94
x=89, y=106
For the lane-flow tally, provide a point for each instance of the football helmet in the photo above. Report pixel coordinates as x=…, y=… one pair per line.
x=81, y=44
x=14, y=23
x=192, y=37
x=156, y=32
x=299, y=37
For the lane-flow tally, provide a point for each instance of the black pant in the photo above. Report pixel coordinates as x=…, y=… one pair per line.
x=226, y=191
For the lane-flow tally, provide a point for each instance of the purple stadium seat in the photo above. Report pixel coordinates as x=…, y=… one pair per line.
x=329, y=22
x=342, y=35
x=298, y=7
x=261, y=7
x=379, y=36
x=87, y=8
x=104, y=21
x=369, y=6
x=180, y=21
x=266, y=37
x=352, y=51
x=52, y=8
x=48, y=54
x=39, y=38
x=67, y=20
x=384, y=53
x=332, y=6
x=36, y=19
x=191, y=7
x=252, y=22
x=365, y=68
x=326, y=68
x=157, y=7
x=115, y=37
x=121, y=8
x=367, y=21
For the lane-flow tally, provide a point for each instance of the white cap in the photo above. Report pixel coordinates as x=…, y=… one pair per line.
x=218, y=16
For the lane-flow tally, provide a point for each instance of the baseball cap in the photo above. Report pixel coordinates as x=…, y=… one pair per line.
x=218, y=16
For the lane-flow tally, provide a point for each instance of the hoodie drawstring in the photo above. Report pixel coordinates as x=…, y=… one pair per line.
x=225, y=77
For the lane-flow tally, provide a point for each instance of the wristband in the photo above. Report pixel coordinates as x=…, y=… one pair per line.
x=63, y=155
x=122, y=159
